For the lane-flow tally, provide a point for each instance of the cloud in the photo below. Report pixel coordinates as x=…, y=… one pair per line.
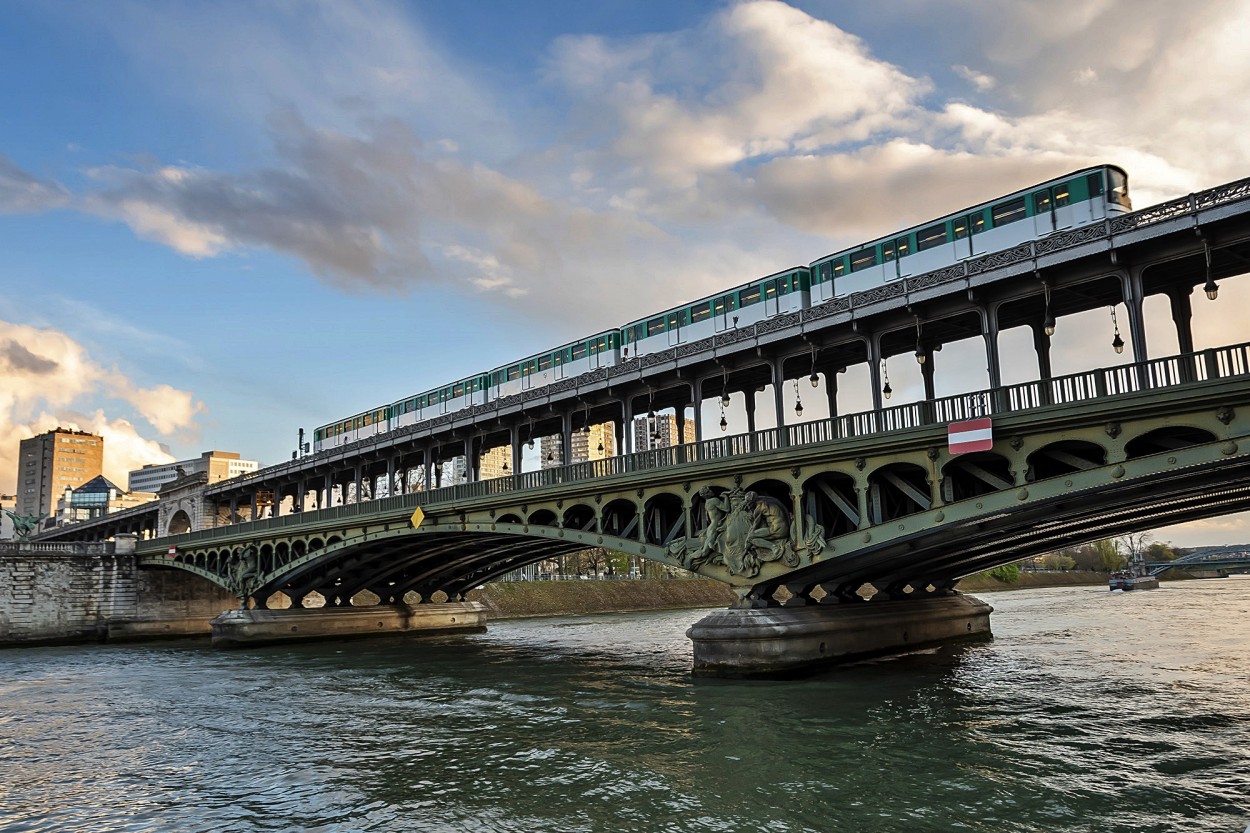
x=23, y=193
x=979, y=80
x=45, y=374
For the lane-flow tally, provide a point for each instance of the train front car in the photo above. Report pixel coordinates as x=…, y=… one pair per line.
x=564, y=362
x=741, y=306
x=1076, y=199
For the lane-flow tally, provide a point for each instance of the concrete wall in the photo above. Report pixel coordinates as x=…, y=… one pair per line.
x=79, y=596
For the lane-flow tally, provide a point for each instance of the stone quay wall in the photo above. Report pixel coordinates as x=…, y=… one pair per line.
x=64, y=593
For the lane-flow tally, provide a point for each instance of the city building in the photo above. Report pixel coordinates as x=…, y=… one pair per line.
x=660, y=431
x=220, y=465
x=8, y=502
x=495, y=462
x=98, y=496
x=51, y=462
x=596, y=443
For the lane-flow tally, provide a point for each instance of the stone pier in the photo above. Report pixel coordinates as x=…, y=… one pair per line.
x=242, y=628
x=775, y=641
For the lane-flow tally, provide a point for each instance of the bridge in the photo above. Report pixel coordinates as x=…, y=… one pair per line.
x=1225, y=564
x=817, y=507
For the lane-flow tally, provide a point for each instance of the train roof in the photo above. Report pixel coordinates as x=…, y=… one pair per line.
x=981, y=205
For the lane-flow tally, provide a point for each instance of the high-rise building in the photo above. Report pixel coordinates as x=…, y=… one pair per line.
x=220, y=465
x=50, y=462
x=597, y=443
x=660, y=431
x=495, y=462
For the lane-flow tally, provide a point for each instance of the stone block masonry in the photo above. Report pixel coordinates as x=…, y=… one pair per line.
x=86, y=593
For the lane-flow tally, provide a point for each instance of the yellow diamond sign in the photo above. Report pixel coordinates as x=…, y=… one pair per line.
x=417, y=517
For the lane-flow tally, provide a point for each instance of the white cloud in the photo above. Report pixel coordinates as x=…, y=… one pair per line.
x=979, y=80
x=45, y=374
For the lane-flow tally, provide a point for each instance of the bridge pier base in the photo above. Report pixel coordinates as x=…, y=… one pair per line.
x=774, y=641
x=240, y=628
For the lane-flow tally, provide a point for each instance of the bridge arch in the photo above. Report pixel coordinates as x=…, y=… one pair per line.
x=1168, y=438
x=978, y=473
x=896, y=490
x=620, y=518
x=579, y=516
x=543, y=517
x=1064, y=457
x=665, y=518
x=831, y=499
x=179, y=523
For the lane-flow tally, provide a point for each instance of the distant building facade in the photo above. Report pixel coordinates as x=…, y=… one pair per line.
x=50, y=463
x=98, y=496
x=495, y=462
x=219, y=465
x=597, y=443
x=660, y=431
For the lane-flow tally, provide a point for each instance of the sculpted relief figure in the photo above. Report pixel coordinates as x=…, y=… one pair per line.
x=244, y=575
x=744, y=530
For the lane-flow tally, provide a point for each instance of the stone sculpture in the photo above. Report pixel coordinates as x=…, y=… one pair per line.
x=744, y=531
x=243, y=574
x=24, y=525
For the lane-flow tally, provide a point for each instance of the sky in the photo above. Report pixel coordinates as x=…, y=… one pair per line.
x=221, y=222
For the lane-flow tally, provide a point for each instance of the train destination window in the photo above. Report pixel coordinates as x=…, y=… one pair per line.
x=863, y=259
x=929, y=237
x=1008, y=212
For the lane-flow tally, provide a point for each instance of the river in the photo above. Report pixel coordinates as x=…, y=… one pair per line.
x=1089, y=711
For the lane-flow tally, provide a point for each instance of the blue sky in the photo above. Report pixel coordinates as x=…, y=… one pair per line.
x=221, y=222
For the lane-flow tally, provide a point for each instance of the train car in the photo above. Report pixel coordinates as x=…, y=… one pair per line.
x=358, y=427
x=1079, y=198
x=572, y=359
x=447, y=399
x=738, y=307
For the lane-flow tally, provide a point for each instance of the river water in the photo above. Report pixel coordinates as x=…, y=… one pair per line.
x=1090, y=711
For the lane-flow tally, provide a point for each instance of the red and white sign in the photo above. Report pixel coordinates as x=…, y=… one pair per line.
x=973, y=435
x=173, y=551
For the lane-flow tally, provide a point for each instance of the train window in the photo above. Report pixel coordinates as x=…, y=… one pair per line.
x=749, y=296
x=770, y=289
x=1062, y=195
x=824, y=273
x=544, y=362
x=579, y=350
x=1118, y=192
x=614, y=340
x=887, y=252
x=863, y=259
x=638, y=332
x=1041, y=201
x=903, y=245
x=929, y=237
x=514, y=372
x=700, y=312
x=458, y=390
x=1008, y=212
x=655, y=326
x=839, y=267
x=1094, y=183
